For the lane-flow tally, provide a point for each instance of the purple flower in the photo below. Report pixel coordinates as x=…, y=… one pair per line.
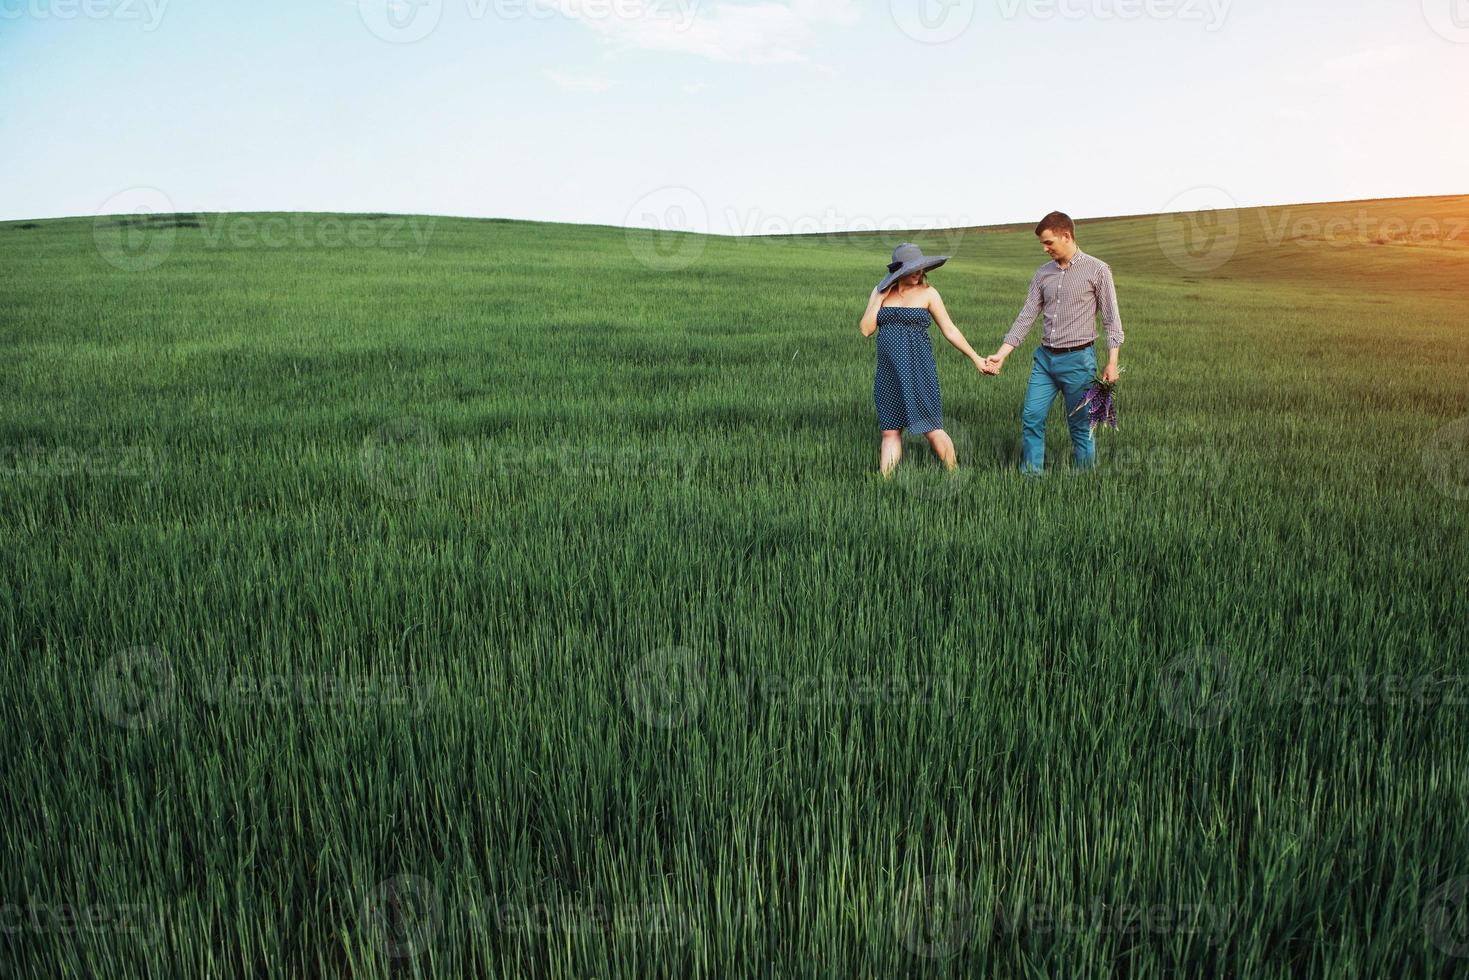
x=1100, y=404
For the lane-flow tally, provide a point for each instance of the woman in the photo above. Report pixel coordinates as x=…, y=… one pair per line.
x=906, y=388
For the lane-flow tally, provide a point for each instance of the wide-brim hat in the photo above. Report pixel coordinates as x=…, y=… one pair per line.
x=908, y=259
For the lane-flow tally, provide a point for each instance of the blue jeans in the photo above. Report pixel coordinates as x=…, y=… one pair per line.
x=1070, y=374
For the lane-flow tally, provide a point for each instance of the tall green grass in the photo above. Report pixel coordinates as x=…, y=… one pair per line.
x=526, y=604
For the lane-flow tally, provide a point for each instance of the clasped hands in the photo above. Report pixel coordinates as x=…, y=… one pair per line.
x=990, y=365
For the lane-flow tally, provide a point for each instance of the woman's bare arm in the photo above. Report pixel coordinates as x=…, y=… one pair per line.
x=869, y=319
x=951, y=332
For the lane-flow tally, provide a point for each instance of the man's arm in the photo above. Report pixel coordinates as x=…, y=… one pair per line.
x=1111, y=321
x=1021, y=327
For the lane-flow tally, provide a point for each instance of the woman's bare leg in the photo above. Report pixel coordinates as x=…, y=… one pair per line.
x=943, y=448
x=892, y=450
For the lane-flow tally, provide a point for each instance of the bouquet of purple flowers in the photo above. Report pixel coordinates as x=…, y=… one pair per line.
x=1100, y=404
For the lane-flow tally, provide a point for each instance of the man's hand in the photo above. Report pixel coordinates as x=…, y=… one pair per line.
x=1111, y=373
x=990, y=366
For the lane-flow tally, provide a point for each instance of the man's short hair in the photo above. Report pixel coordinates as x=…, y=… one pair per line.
x=1057, y=222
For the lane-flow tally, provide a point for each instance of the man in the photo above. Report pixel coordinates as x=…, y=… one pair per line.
x=1071, y=291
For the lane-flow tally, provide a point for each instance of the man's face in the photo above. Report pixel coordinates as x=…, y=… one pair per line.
x=1058, y=244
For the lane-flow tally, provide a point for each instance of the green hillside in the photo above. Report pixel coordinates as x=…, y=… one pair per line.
x=399, y=596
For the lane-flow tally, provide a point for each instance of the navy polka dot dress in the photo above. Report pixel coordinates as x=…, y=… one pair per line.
x=907, y=385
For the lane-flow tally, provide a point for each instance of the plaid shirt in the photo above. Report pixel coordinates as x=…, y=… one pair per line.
x=1071, y=298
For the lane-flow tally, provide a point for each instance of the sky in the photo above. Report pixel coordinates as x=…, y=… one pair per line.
x=732, y=117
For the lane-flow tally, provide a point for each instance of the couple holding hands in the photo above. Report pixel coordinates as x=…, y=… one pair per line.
x=1070, y=292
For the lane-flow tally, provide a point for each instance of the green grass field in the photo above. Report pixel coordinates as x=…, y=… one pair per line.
x=446, y=597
